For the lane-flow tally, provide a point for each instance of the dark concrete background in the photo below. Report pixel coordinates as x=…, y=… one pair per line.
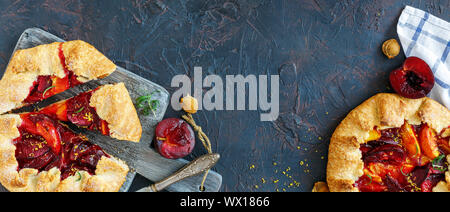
x=327, y=54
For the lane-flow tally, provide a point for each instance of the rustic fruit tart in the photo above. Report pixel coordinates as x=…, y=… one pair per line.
x=107, y=109
x=38, y=73
x=391, y=143
x=40, y=153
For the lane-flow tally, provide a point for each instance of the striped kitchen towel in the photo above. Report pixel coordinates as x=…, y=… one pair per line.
x=428, y=37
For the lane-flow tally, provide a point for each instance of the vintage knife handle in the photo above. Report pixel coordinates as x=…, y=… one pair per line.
x=195, y=167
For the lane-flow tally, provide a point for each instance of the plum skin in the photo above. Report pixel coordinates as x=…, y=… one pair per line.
x=174, y=138
x=413, y=80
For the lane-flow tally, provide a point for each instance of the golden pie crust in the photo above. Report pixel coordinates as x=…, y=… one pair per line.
x=383, y=110
x=113, y=104
x=109, y=176
x=86, y=62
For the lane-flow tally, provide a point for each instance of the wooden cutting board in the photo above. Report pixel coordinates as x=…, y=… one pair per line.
x=139, y=156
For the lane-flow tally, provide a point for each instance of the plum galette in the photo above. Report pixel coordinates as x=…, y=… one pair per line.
x=38, y=150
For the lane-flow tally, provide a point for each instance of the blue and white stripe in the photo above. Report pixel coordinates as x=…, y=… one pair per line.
x=428, y=37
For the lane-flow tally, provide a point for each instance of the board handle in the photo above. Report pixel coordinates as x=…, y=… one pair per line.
x=195, y=167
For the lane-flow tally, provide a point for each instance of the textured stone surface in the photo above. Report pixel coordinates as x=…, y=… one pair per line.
x=327, y=54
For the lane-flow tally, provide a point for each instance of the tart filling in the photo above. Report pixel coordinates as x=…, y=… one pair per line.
x=45, y=143
x=47, y=86
x=409, y=158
